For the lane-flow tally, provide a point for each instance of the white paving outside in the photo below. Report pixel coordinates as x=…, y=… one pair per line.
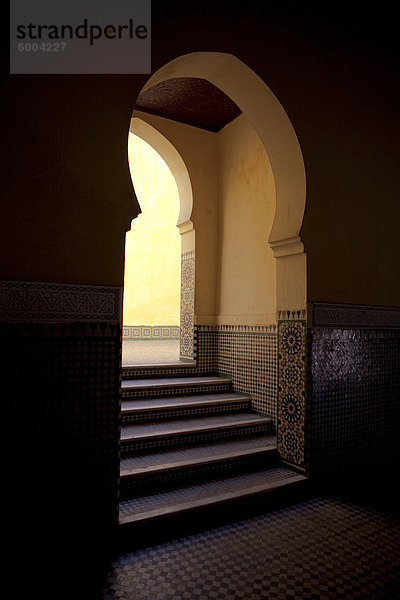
x=150, y=352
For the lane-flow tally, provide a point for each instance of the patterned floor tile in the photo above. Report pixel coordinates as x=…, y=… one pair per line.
x=321, y=549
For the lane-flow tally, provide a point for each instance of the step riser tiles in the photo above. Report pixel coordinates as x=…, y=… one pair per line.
x=127, y=446
x=174, y=413
x=149, y=483
x=174, y=391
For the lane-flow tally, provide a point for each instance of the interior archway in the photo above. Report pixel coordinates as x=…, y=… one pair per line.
x=180, y=173
x=260, y=142
x=272, y=124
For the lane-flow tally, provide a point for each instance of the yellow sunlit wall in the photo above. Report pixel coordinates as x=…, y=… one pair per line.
x=153, y=246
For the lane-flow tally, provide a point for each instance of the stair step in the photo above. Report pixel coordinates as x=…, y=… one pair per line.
x=163, y=469
x=174, y=369
x=156, y=461
x=206, y=495
x=151, y=435
x=173, y=385
x=204, y=399
x=150, y=430
x=155, y=408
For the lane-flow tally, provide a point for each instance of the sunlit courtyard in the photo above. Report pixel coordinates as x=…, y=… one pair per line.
x=152, y=261
x=153, y=352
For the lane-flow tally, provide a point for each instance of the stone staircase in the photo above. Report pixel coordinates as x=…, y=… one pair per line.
x=190, y=446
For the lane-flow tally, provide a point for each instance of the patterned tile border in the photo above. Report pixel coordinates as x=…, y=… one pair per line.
x=60, y=330
x=292, y=391
x=24, y=301
x=151, y=332
x=268, y=329
x=291, y=315
x=353, y=316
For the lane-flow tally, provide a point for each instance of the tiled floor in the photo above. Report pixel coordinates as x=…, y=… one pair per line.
x=323, y=548
x=152, y=352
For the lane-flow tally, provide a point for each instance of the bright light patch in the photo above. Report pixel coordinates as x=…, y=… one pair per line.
x=153, y=246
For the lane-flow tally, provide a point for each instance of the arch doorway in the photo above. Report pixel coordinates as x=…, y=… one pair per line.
x=247, y=179
x=179, y=260
x=151, y=307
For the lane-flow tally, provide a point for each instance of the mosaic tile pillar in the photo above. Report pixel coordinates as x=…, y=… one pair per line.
x=187, y=305
x=292, y=434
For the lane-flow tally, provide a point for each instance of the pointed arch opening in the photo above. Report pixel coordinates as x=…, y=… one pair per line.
x=156, y=306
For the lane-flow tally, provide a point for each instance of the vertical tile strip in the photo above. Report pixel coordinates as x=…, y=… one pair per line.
x=187, y=305
x=292, y=391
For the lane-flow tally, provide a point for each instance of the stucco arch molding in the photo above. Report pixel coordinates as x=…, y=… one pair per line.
x=173, y=159
x=273, y=126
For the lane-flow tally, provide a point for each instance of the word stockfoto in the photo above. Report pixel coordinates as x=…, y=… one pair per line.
x=82, y=32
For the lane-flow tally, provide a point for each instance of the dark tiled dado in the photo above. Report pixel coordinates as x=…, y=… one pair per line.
x=355, y=409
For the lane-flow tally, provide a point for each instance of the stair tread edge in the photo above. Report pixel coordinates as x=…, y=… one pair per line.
x=197, y=461
x=213, y=500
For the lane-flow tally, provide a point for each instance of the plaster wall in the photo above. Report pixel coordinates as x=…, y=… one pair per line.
x=247, y=272
x=199, y=151
x=233, y=210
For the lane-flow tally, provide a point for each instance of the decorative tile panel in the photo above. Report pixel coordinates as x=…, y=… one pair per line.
x=248, y=354
x=292, y=391
x=187, y=304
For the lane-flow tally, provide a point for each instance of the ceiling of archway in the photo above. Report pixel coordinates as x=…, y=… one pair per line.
x=189, y=100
